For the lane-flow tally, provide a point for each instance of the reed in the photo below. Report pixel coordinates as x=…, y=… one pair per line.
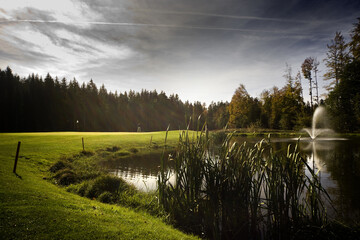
x=239, y=191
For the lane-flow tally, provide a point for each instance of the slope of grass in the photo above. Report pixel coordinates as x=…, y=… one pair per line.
x=34, y=208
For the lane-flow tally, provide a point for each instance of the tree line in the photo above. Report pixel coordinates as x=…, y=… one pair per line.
x=50, y=104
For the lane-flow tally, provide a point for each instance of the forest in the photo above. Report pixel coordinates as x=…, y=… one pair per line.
x=36, y=104
x=50, y=104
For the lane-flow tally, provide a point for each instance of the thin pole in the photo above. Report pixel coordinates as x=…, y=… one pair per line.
x=83, y=144
x=16, y=157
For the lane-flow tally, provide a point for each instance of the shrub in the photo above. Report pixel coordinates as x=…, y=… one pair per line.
x=58, y=166
x=66, y=177
x=105, y=183
x=83, y=188
x=106, y=197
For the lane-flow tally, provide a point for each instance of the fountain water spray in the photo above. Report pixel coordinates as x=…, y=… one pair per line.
x=318, y=116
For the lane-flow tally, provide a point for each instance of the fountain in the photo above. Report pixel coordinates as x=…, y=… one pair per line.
x=318, y=119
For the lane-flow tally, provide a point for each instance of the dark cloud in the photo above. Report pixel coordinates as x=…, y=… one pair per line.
x=169, y=41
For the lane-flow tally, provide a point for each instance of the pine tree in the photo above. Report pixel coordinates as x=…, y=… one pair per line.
x=355, y=41
x=336, y=59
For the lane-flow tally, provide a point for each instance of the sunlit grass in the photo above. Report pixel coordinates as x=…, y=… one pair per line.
x=34, y=208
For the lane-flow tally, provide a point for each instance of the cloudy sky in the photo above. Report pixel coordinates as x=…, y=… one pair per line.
x=199, y=49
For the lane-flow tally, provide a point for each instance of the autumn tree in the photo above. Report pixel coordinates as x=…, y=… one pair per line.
x=336, y=59
x=243, y=109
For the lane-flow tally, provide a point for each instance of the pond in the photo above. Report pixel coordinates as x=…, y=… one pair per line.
x=139, y=170
x=337, y=161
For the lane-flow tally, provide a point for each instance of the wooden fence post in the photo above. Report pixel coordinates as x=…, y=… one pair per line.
x=83, y=145
x=16, y=157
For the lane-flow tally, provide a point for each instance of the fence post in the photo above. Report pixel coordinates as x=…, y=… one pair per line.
x=16, y=157
x=83, y=145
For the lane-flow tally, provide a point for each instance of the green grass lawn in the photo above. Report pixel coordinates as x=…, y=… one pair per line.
x=34, y=208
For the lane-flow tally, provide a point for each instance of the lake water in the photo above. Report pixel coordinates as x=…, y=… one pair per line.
x=336, y=159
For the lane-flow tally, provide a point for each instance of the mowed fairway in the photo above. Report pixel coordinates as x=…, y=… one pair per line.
x=34, y=208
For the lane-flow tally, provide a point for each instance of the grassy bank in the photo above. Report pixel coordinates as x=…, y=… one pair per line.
x=34, y=208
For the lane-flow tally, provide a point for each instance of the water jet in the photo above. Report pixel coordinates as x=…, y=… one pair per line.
x=318, y=120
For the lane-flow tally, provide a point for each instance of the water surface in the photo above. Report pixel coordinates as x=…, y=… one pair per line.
x=139, y=170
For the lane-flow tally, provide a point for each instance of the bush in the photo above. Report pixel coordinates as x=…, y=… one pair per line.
x=105, y=183
x=58, y=166
x=80, y=189
x=83, y=188
x=106, y=197
x=66, y=177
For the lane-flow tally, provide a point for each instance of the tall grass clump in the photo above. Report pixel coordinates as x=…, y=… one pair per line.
x=240, y=191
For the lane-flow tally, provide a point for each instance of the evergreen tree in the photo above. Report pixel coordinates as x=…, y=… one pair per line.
x=34, y=104
x=344, y=101
x=355, y=41
x=336, y=59
x=217, y=115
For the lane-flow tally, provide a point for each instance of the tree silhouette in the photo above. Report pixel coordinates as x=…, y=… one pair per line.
x=36, y=104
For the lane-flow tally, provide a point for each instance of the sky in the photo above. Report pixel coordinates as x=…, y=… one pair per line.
x=201, y=50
